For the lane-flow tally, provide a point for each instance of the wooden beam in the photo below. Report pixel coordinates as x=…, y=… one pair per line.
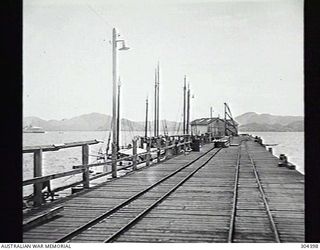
x=58, y=189
x=35, y=221
x=55, y=147
x=41, y=179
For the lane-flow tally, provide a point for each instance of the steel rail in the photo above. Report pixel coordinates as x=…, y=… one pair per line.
x=148, y=209
x=235, y=197
x=273, y=225
x=99, y=218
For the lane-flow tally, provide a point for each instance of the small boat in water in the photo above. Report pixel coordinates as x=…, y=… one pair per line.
x=33, y=129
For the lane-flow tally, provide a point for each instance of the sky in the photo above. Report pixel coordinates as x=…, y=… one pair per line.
x=248, y=54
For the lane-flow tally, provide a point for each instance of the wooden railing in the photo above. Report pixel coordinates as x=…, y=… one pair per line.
x=39, y=181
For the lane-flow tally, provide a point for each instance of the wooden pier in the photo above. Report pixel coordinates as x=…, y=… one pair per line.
x=232, y=194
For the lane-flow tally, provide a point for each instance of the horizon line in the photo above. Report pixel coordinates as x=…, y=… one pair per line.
x=61, y=119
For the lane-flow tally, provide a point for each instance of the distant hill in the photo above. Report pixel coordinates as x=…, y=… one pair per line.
x=87, y=122
x=94, y=122
x=252, y=121
x=291, y=127
x=252, y=117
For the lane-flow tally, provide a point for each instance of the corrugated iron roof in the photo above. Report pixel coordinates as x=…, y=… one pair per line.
x=207, y=121
x=204, y=121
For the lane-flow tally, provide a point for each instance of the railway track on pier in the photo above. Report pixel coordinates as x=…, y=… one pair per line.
x=251, y=215
x=108, y=226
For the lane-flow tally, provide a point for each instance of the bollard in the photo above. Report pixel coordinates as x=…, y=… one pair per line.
x=85, y=161
x=196, y=145
x=37, y=172
x=134, y=153
x=283, y=160
x=270, y=150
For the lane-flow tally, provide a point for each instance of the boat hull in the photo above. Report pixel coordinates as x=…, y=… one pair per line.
x=37, y=132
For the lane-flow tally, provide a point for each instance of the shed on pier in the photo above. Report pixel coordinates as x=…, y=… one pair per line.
x=215, y=126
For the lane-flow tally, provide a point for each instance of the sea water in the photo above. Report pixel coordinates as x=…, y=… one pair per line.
x=289, y=143
x=64, y=159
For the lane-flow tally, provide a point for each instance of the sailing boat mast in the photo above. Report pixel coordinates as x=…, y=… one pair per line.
x=146, y=124
x=155, y=104
x=184, y=106
x=188, y=109
x=158, y=88
x=156, y=101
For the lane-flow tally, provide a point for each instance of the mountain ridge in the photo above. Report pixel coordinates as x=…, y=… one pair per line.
x=252, y=117
x=93, y=122
x=252, y=121
x=249, y=121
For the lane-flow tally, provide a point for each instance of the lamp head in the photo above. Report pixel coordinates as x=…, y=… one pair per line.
x=124, y=47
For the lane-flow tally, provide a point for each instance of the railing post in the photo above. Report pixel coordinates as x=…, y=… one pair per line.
x=158, y=148
x=167, y=150
x=148, y=152
x=184, y=145
x=85, y=161
x=114, y=160
x=134, y=153
x=37, y=172
x=176, y=149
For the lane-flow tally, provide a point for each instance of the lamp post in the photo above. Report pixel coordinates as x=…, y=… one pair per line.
x=114, y=99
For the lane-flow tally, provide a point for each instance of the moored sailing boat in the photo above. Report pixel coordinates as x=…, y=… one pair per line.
x=33, y=129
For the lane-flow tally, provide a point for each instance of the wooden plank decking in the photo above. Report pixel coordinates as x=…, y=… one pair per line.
x=197, y=211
